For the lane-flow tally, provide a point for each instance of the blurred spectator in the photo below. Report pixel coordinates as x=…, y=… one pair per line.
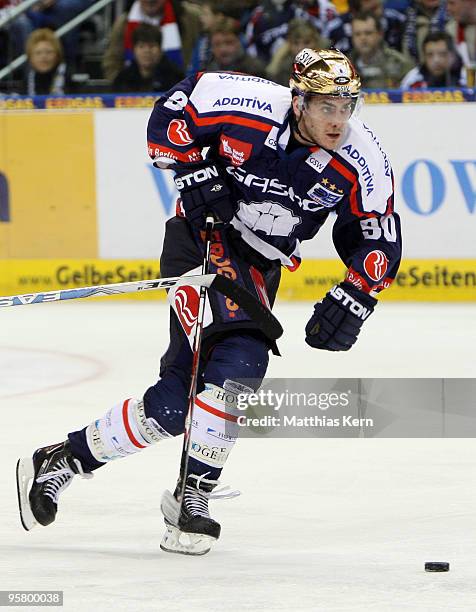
x=318, y=12
x=268, y=25
x=392, y=22
x=463, y=29
x=437, y=69
x=378, y=65
x=301, y=35
x=422, y=17
x=16, y=32
x=228, y=52
x=46, y=72
x=55, y=13
x=211, y=11
x=150, y=70
x=179, y=28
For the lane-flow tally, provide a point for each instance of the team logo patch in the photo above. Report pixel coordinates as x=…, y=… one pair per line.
x=272, y=139
x=186, y=307
x=375, y=265
x=236, y=150
x=178, y=133
x=326, y=193
x=318, y=160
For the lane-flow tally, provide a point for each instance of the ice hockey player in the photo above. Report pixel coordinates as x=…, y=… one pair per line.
x=271, y=164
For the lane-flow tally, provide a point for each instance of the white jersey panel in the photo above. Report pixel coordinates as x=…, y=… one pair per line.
x=218, y=92
x=363, y=150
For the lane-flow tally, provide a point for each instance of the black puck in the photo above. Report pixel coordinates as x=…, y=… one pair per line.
x=437, y=566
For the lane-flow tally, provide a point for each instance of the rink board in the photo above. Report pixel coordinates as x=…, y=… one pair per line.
x=417, y=280
x=48, y=191
x=78, y=186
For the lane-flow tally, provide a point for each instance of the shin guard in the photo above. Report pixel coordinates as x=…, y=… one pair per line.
x=214, y=428
x=123, y=430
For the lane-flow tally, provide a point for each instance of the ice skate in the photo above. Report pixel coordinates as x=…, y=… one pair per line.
x=51, y=470
x=190, y=529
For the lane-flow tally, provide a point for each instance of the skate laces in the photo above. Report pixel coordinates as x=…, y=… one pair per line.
x=196, y=499
x=60, y=478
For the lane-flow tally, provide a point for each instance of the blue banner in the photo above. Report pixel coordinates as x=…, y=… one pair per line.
x=94, y=101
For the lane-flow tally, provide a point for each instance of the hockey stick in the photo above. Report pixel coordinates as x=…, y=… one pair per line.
x=197, y=343
x=267, y=322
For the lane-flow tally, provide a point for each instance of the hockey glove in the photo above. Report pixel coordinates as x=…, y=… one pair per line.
x=203, y=190
x=337, y=320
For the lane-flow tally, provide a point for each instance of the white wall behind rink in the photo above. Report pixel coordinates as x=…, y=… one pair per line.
x=431, y=147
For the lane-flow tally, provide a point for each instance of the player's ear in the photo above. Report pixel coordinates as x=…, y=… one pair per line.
x=298, y=104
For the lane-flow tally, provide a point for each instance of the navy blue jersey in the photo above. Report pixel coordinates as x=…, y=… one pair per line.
x=282, y=199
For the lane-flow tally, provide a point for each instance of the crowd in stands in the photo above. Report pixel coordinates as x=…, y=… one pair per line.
x=153, y=44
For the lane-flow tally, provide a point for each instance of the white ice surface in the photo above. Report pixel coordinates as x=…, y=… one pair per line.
x=322, y=524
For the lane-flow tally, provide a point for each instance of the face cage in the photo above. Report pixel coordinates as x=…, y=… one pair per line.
x=357, y=101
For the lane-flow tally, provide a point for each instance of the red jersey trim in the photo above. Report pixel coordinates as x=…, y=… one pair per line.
x=173, y=153
x=349, y=176
x=238, y=120
x=352, y=178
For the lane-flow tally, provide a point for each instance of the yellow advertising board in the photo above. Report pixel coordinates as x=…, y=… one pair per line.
x=417, y=280
x=47, y=170
x=21, y=276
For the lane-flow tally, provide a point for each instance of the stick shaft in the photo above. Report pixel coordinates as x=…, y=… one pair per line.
x=265, y=319
x=105, y=290
x=197, y=343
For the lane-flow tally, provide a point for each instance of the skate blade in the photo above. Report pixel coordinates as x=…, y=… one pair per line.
x=170, y=508
x=175, y=540
x=25, y=473
x=182, y=543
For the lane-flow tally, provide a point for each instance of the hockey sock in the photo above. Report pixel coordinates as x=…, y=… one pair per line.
x=122, y=431
x=214, y=430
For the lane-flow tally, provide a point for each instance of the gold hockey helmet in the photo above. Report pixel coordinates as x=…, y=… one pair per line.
x=327, y=72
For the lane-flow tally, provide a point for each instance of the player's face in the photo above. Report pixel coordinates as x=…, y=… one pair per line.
x=324, y=119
